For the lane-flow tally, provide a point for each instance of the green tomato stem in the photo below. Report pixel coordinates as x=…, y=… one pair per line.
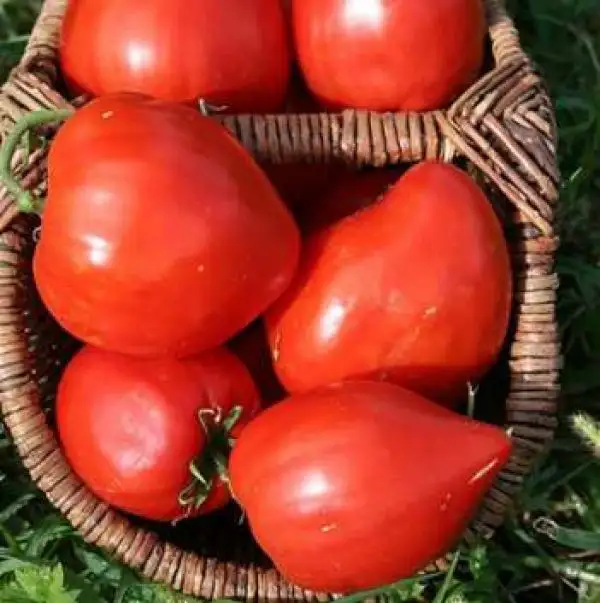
x=26, y=201
x=212, y=461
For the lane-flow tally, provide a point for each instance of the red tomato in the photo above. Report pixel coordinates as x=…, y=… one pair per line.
x=389, y=54
x=361, y=484
x=160, y=234
x=350, y=195
x=130, y=427
x=415, y=290
x=252, y=348
x=228, y=52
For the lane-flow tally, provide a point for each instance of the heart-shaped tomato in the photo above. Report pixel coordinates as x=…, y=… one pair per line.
x=415, y=290
x=161, y=236
x=361, y=484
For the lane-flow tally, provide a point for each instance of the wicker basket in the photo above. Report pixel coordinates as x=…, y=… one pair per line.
x=502, y=129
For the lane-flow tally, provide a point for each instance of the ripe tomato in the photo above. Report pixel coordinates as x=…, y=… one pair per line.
x=130, y=427
x=415, y=290
x=361, y=484
x=160, y=234
x=228, y=52
x=389, y=54
x=252, y=348
x=351, y=194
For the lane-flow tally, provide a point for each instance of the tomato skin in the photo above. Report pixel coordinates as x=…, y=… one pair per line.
x=129, y=427
x=415, y=290
x=410, y=56
x=178, y=50
x=362, y=484
x=160, y=235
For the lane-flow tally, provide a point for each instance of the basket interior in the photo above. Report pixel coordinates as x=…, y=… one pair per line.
x=223, y=535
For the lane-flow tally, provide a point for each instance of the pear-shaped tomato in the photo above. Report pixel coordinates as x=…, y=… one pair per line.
x=415, y=290
x=361, y=484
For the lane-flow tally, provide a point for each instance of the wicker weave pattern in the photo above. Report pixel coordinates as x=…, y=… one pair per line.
x=504, y=126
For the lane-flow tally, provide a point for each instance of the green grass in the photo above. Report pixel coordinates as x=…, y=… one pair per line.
x=550, y=548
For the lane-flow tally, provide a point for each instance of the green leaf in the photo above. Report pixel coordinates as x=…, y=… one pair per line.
x=479, y=561
x=10, y=566
x=411, y=590
x=588, y=430
x=448, y=580
x=575, y=539
x=98, y=568
x=11, y=510
x=406, y=590
x=156, y=593
x=50, y=530
x=38, y=585
x=128, y=580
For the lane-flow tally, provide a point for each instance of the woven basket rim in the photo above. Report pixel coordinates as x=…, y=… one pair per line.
x=504, y=125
